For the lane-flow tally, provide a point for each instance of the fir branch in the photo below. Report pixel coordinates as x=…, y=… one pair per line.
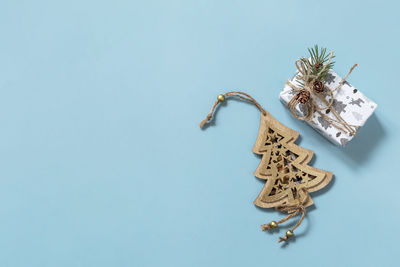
x=318, y=58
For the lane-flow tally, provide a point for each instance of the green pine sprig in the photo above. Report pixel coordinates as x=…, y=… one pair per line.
x=318, y=57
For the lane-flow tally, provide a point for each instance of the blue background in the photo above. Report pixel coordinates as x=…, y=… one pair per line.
x=102, y=162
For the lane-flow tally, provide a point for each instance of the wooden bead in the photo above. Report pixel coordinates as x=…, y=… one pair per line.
x=289, y=233
x=221, y=98
x=273, y=224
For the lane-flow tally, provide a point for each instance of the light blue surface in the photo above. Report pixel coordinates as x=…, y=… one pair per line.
x=102, y=162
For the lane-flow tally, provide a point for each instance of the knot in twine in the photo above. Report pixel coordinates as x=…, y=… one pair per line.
x=308, y=91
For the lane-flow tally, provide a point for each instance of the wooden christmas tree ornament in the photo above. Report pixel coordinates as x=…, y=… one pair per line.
x=289, y=180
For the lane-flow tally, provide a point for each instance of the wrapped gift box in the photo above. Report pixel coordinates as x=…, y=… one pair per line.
x=354, y=107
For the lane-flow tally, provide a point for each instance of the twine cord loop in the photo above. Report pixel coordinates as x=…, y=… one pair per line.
x=301, y=197
x=241, y=95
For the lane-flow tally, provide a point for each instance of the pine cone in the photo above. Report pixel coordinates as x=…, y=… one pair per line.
x=317, y=66
x=303, y=96
x=318, y=86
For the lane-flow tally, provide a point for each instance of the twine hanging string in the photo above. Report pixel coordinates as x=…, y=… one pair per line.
x=238, y=94
x=293, y=211
x=303, y=196
x=306, y=80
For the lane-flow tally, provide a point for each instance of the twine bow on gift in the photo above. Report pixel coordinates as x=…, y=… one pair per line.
x=310, y=88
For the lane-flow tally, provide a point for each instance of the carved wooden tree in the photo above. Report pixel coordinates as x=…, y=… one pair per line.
x=289, y=179
x=284, y=166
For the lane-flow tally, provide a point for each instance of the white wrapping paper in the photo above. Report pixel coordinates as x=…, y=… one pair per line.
x=354, y=107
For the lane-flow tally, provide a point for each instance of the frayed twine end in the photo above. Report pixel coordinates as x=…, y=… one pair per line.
x=265, y=227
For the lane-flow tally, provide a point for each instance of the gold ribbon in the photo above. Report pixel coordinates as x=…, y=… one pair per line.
x=306, y=80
